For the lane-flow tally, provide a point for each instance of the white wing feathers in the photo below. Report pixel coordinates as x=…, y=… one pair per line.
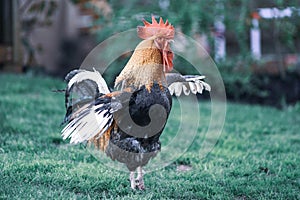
x=178, y=84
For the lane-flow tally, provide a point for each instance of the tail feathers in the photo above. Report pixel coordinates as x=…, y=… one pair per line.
x=83, y=88
x=72, y=73
x=73, y=110
x=88, y=123
x=79, y=76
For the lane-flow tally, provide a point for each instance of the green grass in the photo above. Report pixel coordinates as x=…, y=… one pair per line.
x=256, y=157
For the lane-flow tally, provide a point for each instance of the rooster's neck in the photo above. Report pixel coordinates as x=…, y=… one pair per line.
x=144, y=68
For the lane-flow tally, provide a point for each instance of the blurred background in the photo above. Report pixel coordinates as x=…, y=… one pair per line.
x=255, y=44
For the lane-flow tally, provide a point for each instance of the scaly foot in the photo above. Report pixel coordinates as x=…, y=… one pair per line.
x=132, y=180
x=140, y=180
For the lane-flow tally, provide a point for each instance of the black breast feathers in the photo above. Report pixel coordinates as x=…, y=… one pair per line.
x=135, y=138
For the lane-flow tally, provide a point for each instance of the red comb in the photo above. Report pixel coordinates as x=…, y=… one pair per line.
x=161, y=29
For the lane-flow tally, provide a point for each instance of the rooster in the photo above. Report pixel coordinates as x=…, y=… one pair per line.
x=127, y=123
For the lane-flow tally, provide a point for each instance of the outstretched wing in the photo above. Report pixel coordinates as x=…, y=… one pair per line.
x=178, y=84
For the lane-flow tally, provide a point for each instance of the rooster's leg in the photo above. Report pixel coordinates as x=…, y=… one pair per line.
x=140, y=180
x=132, y=180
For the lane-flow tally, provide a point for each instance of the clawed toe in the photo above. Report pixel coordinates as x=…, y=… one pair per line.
x=140, y=184
x=139, y=181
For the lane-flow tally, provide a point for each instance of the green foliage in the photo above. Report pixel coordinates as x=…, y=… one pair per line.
x=240, y=85
x=284, y=33
x=245, y=83
x=256, y=157
x=238, y=23
x=198, y=16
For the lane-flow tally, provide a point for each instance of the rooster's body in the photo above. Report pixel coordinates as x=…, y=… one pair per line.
x=126, y=124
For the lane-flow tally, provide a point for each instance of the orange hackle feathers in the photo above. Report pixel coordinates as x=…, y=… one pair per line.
x=159, y=29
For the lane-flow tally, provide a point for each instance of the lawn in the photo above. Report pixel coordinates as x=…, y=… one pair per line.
x=256, y=157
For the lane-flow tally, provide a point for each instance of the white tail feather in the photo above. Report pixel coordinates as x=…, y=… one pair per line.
x=87, y=125
x=94, y=76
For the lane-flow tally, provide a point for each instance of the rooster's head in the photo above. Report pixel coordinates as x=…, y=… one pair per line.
x=162, y=33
